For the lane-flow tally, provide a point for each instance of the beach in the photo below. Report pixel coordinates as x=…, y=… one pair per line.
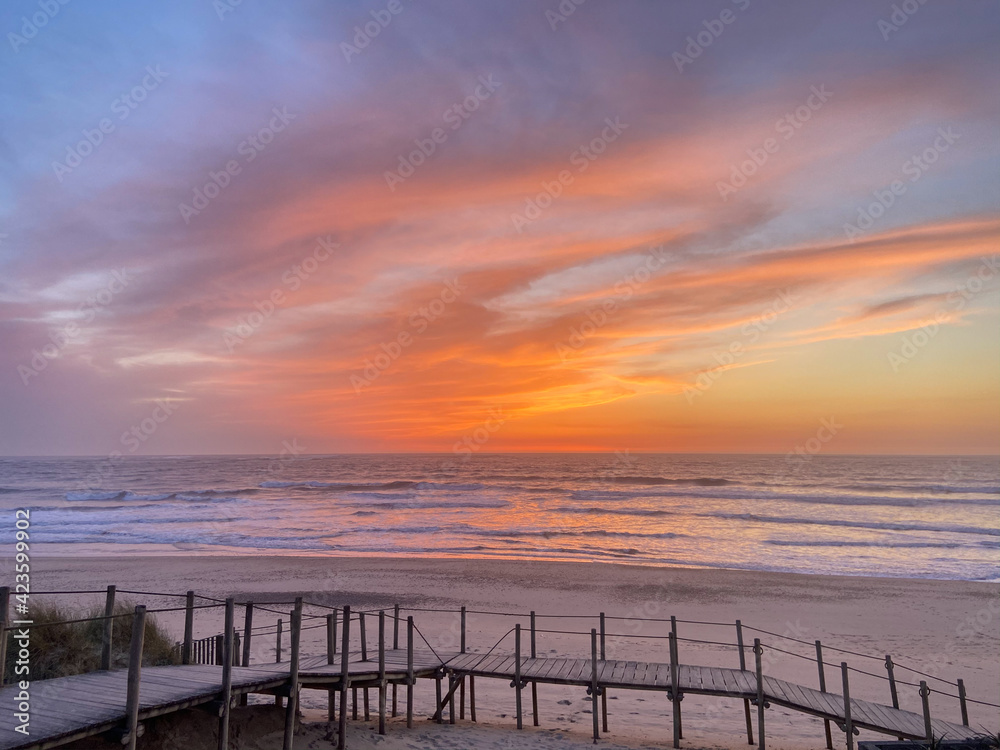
x=948, y=629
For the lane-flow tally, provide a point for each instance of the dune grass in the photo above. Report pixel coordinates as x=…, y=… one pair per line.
x=75, y=648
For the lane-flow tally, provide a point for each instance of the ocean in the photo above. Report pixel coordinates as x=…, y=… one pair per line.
x=926, y=517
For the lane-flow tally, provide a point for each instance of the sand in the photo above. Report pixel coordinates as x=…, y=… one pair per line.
x=945, y=628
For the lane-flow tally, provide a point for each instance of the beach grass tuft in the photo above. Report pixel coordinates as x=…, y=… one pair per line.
x=61, y=647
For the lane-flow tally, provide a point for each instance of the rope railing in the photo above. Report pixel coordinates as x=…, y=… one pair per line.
x=356, y=615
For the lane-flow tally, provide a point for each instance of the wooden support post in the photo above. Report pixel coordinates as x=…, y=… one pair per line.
x=758, y=652
x=961, y=701
x=134, y=674
x=822, y=688
x=244, y=659
x=395, y=647
x=227, y=675
x=890, y=668
x=277, y=646
x=743, y=668
x=472, y=698
x=344, y=678
x=381, y=672
x=247, y=633
x=277, y=658
x=220, y=642
x=410, y=678
x=4, y=619
x=517, y=676
x=108, y=630
x=848, y=721
x=188, y=628
x=675, y=691
x=604, y=692
x=364, y=657
x=925, y=704
x=680, y=696
x=594, y=690
x=331, y=653
x=461, y=688
x=534, y=685
x=293, y=674
x=452, y=687
x=437, y=694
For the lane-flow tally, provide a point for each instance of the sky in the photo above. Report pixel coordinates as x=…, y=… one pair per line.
x=720, y=226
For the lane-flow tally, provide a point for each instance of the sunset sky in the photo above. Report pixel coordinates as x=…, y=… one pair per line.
x=622, y=238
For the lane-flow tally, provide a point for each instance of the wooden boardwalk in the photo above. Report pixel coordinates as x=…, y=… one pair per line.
x=717, y=681
x=70, y=708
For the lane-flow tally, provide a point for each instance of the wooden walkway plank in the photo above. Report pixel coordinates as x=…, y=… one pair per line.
x=71, y=707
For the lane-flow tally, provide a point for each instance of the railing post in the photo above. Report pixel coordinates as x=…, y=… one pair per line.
x=395, y=647
x=890, y=668
x=848, y=722
x=593, y=689
x=516, y=684
x=364, y=657
x=108, y=629
x=134, y=676
x=925, y=703
x=188, y=628
x=381, y=672
x=437, y=698
x=247, y=633
x=822, y=688
x=331, y=653
x=675, y=692
x=410, y=678
x=277, y=645
x=4, y=615
x=534, y=685
x=293, y=674
x=461, y=687
x=743, y=668
x=758, y=651
x=604, y=692
x=227, y=674
x=961, y=701
x=680, y=697
x=344, y=677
